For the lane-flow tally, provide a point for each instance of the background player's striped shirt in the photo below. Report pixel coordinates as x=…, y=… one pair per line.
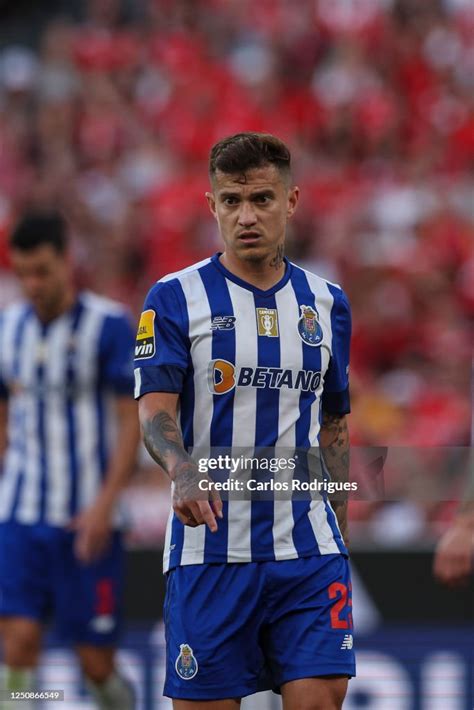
x=60, y=380
x=254, y=369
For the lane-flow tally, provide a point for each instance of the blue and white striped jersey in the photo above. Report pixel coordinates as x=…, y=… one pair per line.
x=60, y=379
x=253, y=369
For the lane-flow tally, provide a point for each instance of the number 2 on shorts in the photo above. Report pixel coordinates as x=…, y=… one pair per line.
x=339, y=591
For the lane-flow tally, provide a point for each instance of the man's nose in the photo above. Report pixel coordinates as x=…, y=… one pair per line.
x=247, y=215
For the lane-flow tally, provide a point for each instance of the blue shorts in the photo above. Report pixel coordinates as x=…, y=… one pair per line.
x=40, y=576
x=236, y=629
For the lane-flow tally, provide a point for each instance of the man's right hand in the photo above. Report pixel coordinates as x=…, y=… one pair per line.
x=192, y=505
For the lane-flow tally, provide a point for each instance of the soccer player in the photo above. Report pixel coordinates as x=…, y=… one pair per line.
x=66, y=380
x=245, y=349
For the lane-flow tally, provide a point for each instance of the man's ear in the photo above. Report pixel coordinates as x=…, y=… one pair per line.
x=293, y=197
x=211, y=201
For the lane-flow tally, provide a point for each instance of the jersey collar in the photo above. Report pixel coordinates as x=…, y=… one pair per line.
x=250, y=287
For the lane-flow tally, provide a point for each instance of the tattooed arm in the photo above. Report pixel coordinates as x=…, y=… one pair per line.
x=162, y=438
x=334, y=441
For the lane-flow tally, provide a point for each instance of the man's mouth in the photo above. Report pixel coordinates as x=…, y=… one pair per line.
x=249, y=237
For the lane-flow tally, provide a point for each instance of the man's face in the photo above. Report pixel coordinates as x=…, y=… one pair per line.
x=44, y=275
x=252, y=214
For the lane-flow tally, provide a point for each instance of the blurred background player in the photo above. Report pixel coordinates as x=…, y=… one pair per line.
x=266, y=585
x=454, y=556
x=66, y=383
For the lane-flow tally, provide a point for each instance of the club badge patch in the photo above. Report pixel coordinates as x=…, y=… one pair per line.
x=308, y=326
x=186, y=665
x=145, y=343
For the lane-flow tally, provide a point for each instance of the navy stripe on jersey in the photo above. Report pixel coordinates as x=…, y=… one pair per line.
x=266, y=433
x=102, y=431
x=223, y=346
x=19, y=419
x=41, y=405
x=336, y=394
x=71, y=384
x=186, y=402
x=303, y=534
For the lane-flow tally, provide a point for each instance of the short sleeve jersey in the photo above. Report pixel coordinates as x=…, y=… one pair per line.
x=252, y=368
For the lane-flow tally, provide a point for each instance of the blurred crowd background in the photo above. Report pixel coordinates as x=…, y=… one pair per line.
x=108, y=110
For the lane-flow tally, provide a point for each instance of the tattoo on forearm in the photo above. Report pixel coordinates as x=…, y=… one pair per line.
x=163, y=441
x=335, y=450
x=277, y=260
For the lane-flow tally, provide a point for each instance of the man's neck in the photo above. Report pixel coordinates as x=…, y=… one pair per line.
x=263, y=275
x=64, y=304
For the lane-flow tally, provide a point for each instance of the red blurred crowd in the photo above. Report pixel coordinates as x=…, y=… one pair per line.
x=113, y=120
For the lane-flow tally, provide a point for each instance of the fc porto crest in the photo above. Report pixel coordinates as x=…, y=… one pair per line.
x=308, y=326
x=186, y=665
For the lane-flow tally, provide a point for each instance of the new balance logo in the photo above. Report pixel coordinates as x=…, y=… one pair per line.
x=347, y=643
x=223, y=323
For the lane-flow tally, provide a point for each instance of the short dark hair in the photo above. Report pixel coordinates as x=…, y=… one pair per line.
x=244, y=151
x=37, y=228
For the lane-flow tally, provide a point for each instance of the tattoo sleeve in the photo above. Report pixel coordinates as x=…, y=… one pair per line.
x=164, y=443
x=334, y=440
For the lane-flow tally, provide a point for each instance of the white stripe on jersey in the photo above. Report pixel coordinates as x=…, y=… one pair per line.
x=138, y=381
x=102, y=304
x=184, y=272
x=291, y=356
x=12, y=461
x=8, y=483
x=10, y=320
x=245, y=411
x=199, y=315
x=28, y=509
x=58, y=486
x=317, y=514
x=322, y=295
x=167, y=544
x=85, y=409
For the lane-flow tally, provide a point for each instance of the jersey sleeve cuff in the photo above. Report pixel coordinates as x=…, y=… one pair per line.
x=158, y=378
x=338, y=403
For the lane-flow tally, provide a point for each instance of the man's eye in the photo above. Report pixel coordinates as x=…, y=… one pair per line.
x=230, y=200
x=262, y=199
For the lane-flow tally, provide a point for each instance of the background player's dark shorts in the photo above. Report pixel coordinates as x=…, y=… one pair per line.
x=233, y=630
x=40, y=576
